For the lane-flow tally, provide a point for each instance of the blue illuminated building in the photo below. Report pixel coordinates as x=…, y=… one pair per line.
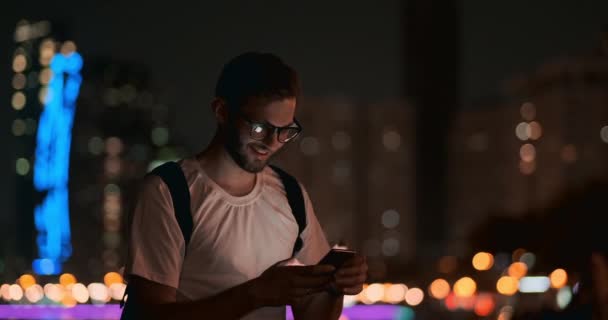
x=51, y=165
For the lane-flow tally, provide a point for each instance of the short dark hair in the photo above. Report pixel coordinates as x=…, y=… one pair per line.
x=256, y=75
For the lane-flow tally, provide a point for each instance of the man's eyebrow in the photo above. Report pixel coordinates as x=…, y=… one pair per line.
x=293, y=122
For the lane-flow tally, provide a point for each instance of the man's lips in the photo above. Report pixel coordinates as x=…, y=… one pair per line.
x=260, y=150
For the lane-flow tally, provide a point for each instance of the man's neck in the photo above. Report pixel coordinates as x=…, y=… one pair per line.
x=222, y=169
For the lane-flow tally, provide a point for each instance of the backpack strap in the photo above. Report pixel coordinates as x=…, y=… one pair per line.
x=173, y=176
x=296, y=202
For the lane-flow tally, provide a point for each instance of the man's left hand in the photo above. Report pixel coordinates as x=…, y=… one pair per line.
x=351, y=276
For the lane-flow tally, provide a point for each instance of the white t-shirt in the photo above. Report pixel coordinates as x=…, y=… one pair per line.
x=234, y=239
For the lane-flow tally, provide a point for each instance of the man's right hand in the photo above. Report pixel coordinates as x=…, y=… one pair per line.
x=284, y=285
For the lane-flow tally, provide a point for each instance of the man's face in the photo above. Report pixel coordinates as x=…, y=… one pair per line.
x=250, y=154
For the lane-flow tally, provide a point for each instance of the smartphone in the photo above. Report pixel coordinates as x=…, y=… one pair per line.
x=337, y=257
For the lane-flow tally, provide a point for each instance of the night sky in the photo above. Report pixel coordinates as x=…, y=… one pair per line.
x=351, y=49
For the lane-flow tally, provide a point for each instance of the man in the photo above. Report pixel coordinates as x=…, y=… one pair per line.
x=244, y=231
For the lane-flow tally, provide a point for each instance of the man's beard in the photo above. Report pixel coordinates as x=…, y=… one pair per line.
x=238, y=151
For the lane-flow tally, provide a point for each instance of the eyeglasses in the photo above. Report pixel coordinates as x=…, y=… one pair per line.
x=261, y=130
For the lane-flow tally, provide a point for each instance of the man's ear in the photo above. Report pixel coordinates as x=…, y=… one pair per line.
x=220, y=110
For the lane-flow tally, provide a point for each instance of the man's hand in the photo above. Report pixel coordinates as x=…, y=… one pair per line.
x=284, y=285
x=351, y=276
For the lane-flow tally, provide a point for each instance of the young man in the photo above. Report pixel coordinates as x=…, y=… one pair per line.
x=235, y=265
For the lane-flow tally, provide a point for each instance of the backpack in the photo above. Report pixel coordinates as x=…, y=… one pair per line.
x=173, y=176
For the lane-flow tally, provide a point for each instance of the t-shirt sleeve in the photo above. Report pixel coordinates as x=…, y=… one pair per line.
x=315, y=243
x=156, y=244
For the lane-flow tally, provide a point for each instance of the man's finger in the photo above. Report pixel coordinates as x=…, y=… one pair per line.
x=352, y=291
x=354, y=261
x=345, y=282
x=306, y=282
x=351, y=271
x=316, y=270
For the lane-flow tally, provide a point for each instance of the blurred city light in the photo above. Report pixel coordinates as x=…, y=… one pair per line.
x=483, y=261
x=528, y=111
x=563, y=297
x=80, y=293
x=374, y=292
x=522, y=131
x=534, y=284
x=67, y=279
x=529, y=259
x=484, y=305
x=390, y=218
x=527, y=152
x=111, y=278
x=517, y=270
x=26, y=281
x=391, y=140
x=19, y=63
x=439, y=289
x=34, y=293
x=507, y=286
x=535, y=130
x=15, y=292
x=569, y=153
x=18, y=100
x=465, y=287
x=558, y=278
x=395, y=293
x=414, y=296
x=604, y=134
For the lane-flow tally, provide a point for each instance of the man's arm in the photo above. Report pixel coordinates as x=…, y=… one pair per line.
x=321, y=306
x=277, y=286
x=156, y=301
x=348, y=279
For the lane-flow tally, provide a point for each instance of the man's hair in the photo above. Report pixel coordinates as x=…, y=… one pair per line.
x=254, y=75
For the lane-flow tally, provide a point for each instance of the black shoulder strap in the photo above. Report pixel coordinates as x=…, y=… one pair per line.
x=296, y=202
x=173, y=176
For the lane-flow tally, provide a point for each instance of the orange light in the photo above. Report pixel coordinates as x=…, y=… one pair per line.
x=67, y=279
x=518, y=270
x=484, y=305
x=465, y=287
x=111, y=278
x=507, y=285
x=483, y=261
x=414, y=297
x=439, y=289
x=26, y=281
x=558, y=278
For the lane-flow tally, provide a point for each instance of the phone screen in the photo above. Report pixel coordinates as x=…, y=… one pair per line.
x=337, y=257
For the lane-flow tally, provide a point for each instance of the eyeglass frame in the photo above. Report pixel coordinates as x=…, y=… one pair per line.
x=272, y=129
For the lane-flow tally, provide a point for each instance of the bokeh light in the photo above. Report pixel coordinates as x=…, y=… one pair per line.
x=527, y=152
x=80, y=293
x=563, y=297
x=98, y=292
x=22, y=166
x=5, y=292
x=15, y=292
x=19, y=63
x=395, y=293
x=569, y=153
x=465, y=287
x=483, y=261
x=414, y=296
x=522, y=131
x=507, y=286
x=558, y=278
x=67, y=279
x=535, y=131
x=390, y=218
x=26, y=281
x=374, y=292
x=18, y=100
x=517, y=270
x=484, y=305
x=34, y=293
x=19, y=81
x=604, y=134
x=528, y=111
x=439, y=289
x=111, y=278
x=391, y=140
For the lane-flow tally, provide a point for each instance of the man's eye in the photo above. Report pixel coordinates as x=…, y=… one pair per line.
x=258, y=129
